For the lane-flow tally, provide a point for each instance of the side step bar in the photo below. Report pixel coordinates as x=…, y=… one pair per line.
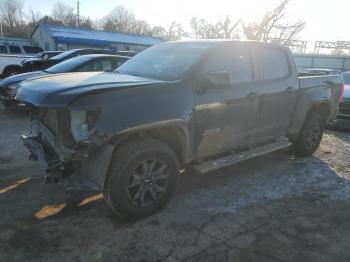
x=215, y=164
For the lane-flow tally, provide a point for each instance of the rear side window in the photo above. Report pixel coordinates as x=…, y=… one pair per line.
x=32, y=49
x=274, y=64
x=14, y=49
x=235, y=60
x=3, y=49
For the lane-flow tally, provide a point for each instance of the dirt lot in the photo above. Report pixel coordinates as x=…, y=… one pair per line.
x=274, y=208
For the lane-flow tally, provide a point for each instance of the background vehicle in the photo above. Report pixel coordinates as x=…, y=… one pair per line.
x=127, y=53
x=43, y=64
x=42, y=55
x=319, y=71
x=344, y=107
x=86, y=63
x=208, y=104
x=11, y=57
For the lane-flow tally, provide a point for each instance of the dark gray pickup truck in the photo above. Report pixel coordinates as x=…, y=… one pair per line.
x=198, y=104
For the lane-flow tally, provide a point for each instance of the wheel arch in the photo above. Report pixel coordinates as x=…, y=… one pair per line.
x=175, y=135
x=323, y=108
x=9, y=67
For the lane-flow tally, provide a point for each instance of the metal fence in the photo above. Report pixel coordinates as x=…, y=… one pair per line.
x=341, y=63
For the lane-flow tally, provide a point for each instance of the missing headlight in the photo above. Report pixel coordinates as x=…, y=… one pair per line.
x=82, y=123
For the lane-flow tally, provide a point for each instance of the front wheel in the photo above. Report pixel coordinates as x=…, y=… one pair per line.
x=142, y=178
x=11, y=72
x=310, y=135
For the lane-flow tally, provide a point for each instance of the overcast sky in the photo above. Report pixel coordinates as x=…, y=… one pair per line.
x=326, y=20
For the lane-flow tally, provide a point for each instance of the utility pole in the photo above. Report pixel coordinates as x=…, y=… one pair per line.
x=78, y=12
x=2, y=33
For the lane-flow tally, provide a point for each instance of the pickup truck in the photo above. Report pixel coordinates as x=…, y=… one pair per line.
x=343, y=117
x=11, y=57
x=201, y=105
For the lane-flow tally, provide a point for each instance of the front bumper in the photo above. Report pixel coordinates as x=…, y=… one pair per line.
x=11, y=102
x=37, y=153
x=83, y=169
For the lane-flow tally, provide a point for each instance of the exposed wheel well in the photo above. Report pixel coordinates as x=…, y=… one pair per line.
x=174, y=137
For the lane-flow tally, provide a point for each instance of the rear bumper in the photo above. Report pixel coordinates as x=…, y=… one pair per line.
x=343, y=117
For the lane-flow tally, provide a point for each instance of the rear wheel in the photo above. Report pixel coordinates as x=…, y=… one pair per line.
x=142, y=178
x=310, y=136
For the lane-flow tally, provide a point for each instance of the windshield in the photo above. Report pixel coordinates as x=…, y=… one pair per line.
x=68, y=65
x=346, y=78
x=64, y=54
x=167, y=61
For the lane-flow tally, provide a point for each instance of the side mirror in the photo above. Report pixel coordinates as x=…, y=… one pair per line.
x=214, y=80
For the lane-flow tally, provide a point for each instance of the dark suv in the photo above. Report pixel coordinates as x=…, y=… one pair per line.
x=344, y=107
x=43, y=64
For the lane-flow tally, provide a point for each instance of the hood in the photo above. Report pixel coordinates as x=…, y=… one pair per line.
x=347, y=91
x=61, y=90
x=15, y=79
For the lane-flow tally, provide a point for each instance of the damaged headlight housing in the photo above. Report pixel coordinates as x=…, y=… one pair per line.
x=12, y=89
x=82, y=123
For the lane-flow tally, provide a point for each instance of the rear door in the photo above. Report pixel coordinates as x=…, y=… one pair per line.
x=226, y=118
x=279, y=86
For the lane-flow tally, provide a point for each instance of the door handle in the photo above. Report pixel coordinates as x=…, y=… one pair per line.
x=252, y=95
x=290, y=89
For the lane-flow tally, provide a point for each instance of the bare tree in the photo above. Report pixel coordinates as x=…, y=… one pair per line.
x=223, y=29
x=174, y=32
x=120, y=19
x=64, y=14
x=12, y=18
x=203, y=29
x=273, y=25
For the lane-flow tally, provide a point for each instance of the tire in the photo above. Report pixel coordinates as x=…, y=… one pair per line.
x=142, y=178
x=310, y=135
x=11, y=71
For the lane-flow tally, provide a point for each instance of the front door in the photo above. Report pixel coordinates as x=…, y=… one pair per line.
x=226, y=118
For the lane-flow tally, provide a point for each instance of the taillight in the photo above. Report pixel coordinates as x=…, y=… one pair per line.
x=341, y=93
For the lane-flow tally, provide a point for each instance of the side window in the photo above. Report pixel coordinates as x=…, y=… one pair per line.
x=14, y=49
x=96, y=65
x=3, y=49
x=118, y=62
x=274, y=64
x=235, y=60
x=107, y=65
x=32, y=49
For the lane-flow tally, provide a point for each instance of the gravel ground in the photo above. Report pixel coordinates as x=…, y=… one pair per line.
x=273, y=208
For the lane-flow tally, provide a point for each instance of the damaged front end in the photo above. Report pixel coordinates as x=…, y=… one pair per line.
x=68, y=147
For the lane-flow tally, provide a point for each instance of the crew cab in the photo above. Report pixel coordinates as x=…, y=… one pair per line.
x=198, y=104
x=11, y=57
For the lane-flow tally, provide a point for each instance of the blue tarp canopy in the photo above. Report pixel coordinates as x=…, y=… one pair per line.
x=81, y=41
x=80, y=36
